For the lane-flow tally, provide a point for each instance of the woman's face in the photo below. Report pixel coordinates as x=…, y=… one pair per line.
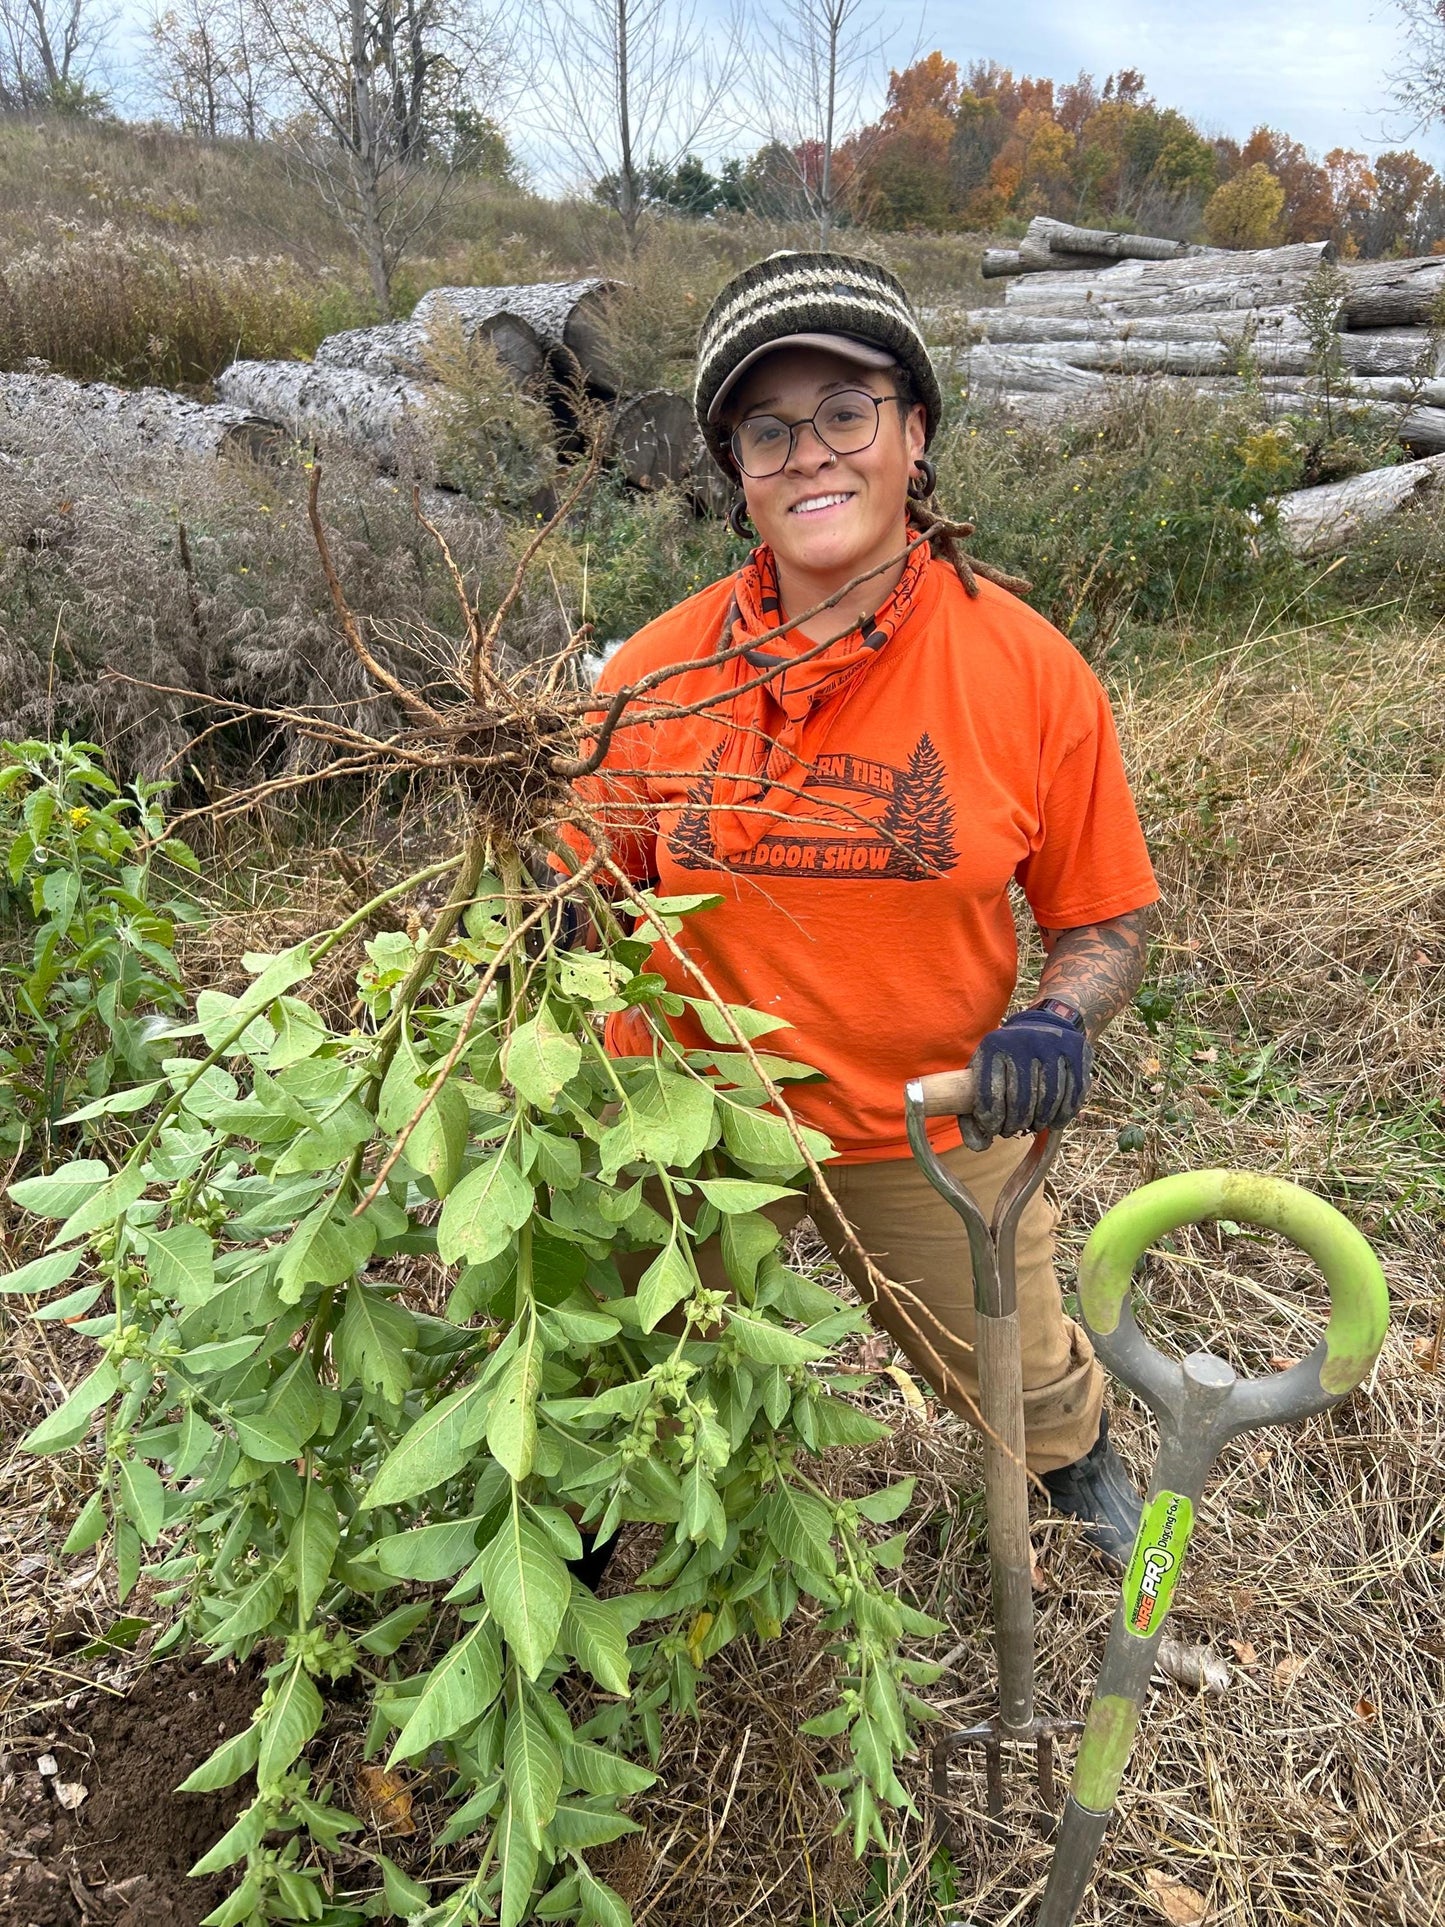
x=824, y=514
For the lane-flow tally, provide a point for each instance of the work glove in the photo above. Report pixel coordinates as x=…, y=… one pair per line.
x=1032, y=1073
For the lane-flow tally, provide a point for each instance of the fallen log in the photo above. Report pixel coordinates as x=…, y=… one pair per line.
x=1123, y=348
x=402, y=347
x=1266, y=278
x=1391, y=294
x=656, y=444
x=1423, y=431
x=1321, y=521
x=382, y=415
x=569, y=318
x=1021, y=325
x=990, y=373
x=1059, y=237
x=129, y=420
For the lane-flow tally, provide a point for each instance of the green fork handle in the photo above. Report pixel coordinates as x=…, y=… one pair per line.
x=1200, y=1405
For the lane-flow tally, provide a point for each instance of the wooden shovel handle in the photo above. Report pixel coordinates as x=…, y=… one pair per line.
x=949, y=1093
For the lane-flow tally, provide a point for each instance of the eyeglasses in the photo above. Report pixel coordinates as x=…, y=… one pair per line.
x=846, y=424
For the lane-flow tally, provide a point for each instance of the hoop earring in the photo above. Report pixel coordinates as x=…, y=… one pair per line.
x=922, y=484
x=738, y=521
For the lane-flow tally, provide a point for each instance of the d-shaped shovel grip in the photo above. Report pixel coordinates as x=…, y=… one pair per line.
x=1359, y=1300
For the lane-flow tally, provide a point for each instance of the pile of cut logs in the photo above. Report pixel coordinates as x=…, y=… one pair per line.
x=1089, y=311
x=373, y=386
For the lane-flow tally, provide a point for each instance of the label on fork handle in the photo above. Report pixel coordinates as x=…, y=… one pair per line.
x=1154, y=1565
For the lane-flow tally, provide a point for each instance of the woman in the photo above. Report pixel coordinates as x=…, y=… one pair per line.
x=860, y=791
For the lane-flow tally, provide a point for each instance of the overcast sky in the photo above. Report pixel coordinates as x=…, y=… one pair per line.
x=1319, y=69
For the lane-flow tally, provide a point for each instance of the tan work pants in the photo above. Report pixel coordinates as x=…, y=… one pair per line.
x=918, y=1240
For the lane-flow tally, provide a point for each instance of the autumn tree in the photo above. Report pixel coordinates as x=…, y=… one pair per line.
x=902, y=174
x=1402, y=216
x=1245, y=212
x=1309, y=202
x=808, y=77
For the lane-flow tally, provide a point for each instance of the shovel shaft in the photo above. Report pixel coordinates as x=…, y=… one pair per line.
x=1006, y=1500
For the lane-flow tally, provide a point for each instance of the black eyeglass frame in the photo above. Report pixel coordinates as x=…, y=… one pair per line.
x=811, y=421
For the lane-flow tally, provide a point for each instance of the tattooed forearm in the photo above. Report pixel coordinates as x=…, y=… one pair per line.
x=1098, y=966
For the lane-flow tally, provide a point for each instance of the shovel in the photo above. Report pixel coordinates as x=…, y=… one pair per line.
x=1001, y=1404
x=1200, y=1405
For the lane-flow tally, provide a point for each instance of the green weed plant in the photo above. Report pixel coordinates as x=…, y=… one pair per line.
x=357, y=1405
x=89, y=890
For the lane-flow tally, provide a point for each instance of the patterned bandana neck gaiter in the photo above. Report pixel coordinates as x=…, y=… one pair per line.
x=769, y=713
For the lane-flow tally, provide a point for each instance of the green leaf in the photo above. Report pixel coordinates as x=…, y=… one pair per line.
x=482, y=1212
x=193, y=1442
x=373, y=1342
x=268, y=1440
x=741, y=1194
x=429, y=1552
x=594, y=1635
x=665, y=1283
x=142, y=1498
x=538, y=1060
x=885, y=1506
x=403, y=1895
x=43, y=1274
x=439, y=1141
x=599, y=1770
x=519, y=1856
x=685, y=1105
x=763, y=1144
x=103, y=1206
x=512, y=1421
x=300, y=1033
x=252, y=1611
x=294, y=1715
x=61, y=1192
x=118, y=1103
x=89, y=1526
x=225, y=1766
x=703, y=1513
x=602, y=1906
x=769, y=1344
x=751, y=1023
x=576, y=1826
x=220, y=1356
x=836, y=1422
x=527, y=1587
x=312, y=1545
x=70, y=1422
x=239, y=1840
x=746, y=1239
x=69, y=1308
x=457, y=1692
x=433, y=1449
x=801, y=1527
x=182, y=1263
x=326, y=1248
x=391, y=1633
x=533, y=1767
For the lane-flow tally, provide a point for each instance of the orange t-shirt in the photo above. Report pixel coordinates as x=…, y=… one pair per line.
x=862, y=815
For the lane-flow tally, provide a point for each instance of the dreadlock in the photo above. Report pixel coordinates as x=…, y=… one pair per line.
x=925, y=517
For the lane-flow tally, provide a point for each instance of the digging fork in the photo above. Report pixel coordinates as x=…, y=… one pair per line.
x=991, y=1245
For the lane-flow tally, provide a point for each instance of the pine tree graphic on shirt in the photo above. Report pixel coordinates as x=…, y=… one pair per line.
x=919, y=820
x=858, y=817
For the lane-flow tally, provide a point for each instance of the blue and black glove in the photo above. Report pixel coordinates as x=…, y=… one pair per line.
x=1032, y=1073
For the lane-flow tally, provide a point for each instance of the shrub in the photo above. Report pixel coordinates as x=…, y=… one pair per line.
x=1245, y=211
x=84, y=893
x=357, y=1404
x=492, y=439
x=111, y=306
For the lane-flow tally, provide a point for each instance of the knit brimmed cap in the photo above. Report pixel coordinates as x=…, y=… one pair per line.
x=813, y=294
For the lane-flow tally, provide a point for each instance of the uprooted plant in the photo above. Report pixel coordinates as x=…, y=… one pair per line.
x=368, y=1370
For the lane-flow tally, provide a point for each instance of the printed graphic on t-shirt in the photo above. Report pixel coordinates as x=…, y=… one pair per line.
x=857, y=816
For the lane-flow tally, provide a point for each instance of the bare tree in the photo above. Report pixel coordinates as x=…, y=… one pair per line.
x=817, y=63
x=624, y=89
x=210, y=67
x=49, y=52
x=371, y=92
x=1419, y=84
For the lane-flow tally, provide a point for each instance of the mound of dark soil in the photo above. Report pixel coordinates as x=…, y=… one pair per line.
x=120, y=1858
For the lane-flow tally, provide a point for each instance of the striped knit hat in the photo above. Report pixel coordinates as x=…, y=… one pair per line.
x=788, y=295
